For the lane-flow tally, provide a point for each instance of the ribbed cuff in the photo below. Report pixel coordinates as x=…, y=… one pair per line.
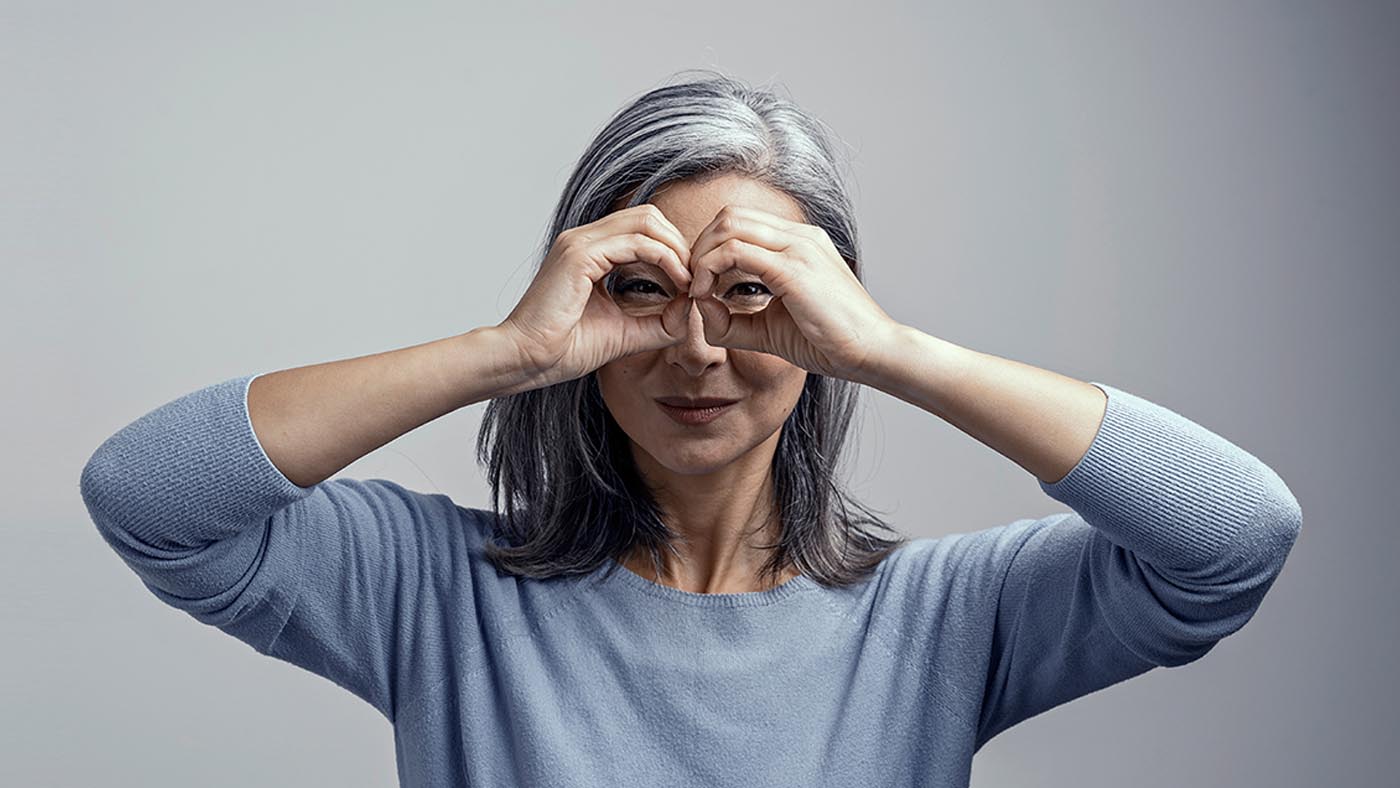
x=1168, y=489
x=189, y=472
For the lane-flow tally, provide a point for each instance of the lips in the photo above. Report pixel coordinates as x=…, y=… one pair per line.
x=694, y=417
x=697, y=402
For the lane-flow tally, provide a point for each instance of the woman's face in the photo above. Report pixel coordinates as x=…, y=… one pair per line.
x=765, y=386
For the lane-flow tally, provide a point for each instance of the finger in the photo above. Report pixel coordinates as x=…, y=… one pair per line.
x=653, y=333
x=767, y=217
x=675, y=318
x=666, y=329
x=627, y=248
x=732, y=222
x=715, y=318
x=736, y=332
x=770, y=266
x=649, y=220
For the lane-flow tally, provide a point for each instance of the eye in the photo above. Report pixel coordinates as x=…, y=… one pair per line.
x=759, y=285
x=636, y=288
x=645, y=286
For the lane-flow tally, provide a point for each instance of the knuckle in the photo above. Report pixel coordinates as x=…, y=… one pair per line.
x=566, y=239
x=653, y=220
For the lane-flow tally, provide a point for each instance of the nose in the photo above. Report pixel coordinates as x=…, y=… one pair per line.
x=693, y=353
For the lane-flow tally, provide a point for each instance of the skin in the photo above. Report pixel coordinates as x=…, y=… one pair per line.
x=713, y=481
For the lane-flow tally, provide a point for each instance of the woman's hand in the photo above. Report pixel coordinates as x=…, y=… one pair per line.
x=820, y=317
x=567, y=325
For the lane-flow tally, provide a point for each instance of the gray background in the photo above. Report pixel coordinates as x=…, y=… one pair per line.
x=1197, y=202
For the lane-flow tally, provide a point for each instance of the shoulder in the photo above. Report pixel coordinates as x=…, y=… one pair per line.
x=966, y=562
x=511, y=600
x=427, y=533
x=427, y=517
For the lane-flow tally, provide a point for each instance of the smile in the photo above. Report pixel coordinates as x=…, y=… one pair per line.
x=694, y=415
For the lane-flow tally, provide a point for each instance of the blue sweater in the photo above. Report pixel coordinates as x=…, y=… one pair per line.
x=1174, y=537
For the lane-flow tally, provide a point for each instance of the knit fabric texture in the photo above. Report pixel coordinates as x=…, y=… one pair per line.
x=1173, y=537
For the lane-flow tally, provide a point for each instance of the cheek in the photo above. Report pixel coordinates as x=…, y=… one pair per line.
x=769, y=372
x=773, y=381
x=619, y=383
x=620, y=376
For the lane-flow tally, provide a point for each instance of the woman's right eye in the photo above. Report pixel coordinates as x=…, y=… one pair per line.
x=641, y=286
x=638, y=296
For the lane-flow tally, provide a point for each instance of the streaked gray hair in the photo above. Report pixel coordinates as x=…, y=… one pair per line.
x=564, y=485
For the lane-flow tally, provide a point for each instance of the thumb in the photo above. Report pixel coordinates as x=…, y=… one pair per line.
x=724, y=329
x=716, y=319
x=651, y=334
x=658, y=331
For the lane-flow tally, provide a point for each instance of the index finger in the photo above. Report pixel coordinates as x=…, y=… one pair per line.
x=649, y=220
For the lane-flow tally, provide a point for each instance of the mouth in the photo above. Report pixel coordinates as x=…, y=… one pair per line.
x=702, y=411
x=695, y=402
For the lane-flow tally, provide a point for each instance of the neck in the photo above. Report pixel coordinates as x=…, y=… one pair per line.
x=721, y=519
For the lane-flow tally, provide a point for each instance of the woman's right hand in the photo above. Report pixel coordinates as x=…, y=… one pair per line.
x=567, y=325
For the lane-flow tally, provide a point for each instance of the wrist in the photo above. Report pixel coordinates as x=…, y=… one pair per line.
x=496, y=366
x=910, y=362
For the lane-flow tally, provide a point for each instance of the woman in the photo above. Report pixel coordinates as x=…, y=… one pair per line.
x=674, y=595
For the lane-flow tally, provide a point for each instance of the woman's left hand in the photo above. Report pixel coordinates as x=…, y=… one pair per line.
x=820, y=317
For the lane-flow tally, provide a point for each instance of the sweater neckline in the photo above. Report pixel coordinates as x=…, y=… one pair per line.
x=790, y=587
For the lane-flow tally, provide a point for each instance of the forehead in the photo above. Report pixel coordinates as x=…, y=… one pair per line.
x=691, y=204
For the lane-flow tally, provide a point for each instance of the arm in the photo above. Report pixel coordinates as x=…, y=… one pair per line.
x=203, y=498
x=1038, y=419
x=315, y=420
x=1175, y=533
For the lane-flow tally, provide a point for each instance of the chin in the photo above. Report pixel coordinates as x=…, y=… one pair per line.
x=691, y=460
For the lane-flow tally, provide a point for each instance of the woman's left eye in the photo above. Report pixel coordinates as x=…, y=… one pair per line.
x=759, y=285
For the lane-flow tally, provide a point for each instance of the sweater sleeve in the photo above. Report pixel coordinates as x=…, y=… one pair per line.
x=1174, y=537
x=328, y=578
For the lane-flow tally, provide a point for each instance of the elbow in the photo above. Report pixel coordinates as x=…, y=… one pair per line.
x=95, y=481
x=1271, y=522
x=106, y=487
x=1279, y=519
x=1288, y=526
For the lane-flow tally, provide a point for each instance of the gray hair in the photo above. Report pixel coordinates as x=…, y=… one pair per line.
x=573, y=496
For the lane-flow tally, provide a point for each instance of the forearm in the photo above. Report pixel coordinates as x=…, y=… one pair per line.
x=315, y=420
x=1041, y=420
